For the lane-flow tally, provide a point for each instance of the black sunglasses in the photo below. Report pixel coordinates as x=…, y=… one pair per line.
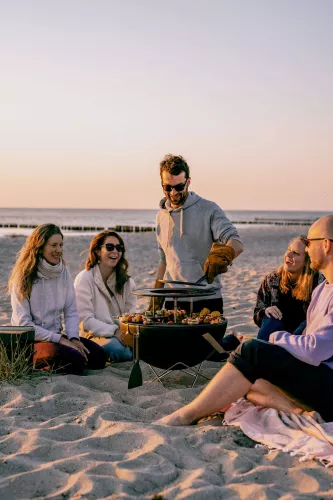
x=308, y=240
x=110, y=247
x=178, y=187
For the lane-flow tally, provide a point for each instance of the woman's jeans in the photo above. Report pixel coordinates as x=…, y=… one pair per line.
x=270, y=325
x=117, y=351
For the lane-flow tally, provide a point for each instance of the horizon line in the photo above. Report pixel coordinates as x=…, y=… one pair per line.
x=155, y=209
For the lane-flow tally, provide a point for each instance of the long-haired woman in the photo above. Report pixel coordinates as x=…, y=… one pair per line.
x=43, y=297
x=284, y=295
x=104, y=292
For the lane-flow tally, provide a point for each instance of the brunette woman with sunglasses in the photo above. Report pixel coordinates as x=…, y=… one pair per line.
x=104, y=292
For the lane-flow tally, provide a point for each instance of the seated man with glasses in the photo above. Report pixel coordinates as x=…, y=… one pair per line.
x=194, y=235
x=290, y=372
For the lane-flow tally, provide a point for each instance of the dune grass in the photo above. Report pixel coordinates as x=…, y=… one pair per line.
x=16, y=363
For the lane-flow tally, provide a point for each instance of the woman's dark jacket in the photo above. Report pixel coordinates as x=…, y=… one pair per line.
x=269, y=294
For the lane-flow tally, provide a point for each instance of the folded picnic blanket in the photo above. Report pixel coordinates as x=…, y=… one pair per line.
x=305, y=434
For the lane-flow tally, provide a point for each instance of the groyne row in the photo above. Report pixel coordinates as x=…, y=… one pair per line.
x=278, y=222
x=118, y=229
x=303, y=222
x=139, y=229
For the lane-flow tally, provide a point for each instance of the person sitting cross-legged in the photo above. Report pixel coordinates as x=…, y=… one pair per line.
x=103, y=293
x=284, y=295
x=42, y=297
x=291, y=373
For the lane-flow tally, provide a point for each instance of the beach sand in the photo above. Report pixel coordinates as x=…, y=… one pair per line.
x=90, y=437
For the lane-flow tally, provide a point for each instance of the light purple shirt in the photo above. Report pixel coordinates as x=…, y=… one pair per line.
x=315, y=345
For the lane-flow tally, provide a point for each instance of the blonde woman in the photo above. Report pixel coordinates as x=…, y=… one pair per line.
x=284, y=295
x=42, y=295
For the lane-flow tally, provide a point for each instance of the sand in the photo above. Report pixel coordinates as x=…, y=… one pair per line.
x=90, y=437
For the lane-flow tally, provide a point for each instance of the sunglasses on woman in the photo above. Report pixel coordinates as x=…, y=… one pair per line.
x=307, y=241
x=178, y=187
x=110, y=247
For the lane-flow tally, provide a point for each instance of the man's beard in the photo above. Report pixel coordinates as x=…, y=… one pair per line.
x=316, y=265
x=180, y=200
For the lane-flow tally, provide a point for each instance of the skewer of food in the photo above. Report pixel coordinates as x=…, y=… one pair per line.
x=167, y=316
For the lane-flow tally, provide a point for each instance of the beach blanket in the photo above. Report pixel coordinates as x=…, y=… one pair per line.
x=305, y=434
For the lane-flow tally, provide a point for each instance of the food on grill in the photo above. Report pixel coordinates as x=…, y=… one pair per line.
x=167, y=316
x=193, y=321
x=204, y=312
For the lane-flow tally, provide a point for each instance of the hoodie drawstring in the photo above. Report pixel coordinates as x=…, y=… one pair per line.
x=55, y=309
x=43, y=295
x=181, y=222
x=169, y=228
x=181, y=219
x=43, y=299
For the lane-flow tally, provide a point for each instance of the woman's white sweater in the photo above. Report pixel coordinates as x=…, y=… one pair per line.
x=97, y=308
x=51, y=301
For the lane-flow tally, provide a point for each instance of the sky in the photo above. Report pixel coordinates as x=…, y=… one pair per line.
x=93, y=94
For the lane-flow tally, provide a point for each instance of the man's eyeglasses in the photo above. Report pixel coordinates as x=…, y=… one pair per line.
x=307, y=241
x=178, y=187
x=110, y=247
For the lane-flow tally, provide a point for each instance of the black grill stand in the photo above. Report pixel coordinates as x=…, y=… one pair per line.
x=176, y=293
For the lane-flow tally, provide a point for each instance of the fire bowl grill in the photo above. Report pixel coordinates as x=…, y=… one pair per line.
x=162, y=345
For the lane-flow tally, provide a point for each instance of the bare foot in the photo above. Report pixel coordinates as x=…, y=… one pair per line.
x=178, y=417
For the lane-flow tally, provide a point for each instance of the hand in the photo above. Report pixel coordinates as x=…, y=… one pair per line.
x=80, y=347
x=158, y=304
x=120, y=336
x=68, y=343
x=273, y=311
x=218, y=260
x=158, y=301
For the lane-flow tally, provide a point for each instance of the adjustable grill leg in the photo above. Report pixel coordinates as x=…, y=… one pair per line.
x=136, y=336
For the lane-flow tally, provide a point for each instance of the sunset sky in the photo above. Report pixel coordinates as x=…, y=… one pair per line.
x=93, y=94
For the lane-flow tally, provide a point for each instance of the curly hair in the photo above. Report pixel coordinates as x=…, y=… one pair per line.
x=175, y=165
x=304, y=284
x=24, y=273
x=93, y=257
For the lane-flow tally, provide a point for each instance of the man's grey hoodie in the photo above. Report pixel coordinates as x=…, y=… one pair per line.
x=185, y=236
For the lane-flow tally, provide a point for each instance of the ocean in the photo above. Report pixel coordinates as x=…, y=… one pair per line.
x=112, y=217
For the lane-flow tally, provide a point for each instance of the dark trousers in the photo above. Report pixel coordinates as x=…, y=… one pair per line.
x=65, y=359
x=308, y=384
x=198, y=305
x=270, y=325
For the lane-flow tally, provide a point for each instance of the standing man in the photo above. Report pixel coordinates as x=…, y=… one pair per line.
x=194, y=235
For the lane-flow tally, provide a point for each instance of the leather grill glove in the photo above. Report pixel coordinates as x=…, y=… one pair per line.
x=218, y=260
x=159, y=301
